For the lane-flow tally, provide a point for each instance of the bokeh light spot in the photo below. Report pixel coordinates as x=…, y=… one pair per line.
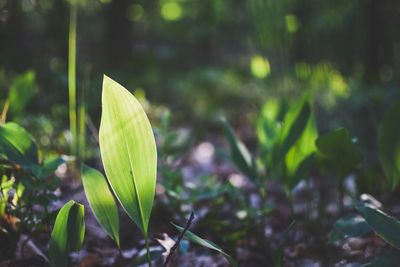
x=171, y=11
x=260, y=67
x=303, y=70
x=292, y=23
x=135, y=12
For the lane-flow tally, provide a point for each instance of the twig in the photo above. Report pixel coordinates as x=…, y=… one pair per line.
x=4, y=112
x=172, y=251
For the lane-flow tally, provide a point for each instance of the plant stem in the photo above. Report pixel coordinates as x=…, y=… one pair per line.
x=174, y=247
x=341, y=196
x=72, y=77
x=147, y=248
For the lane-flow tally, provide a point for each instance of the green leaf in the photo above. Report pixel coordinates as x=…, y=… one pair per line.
x=299, y=158
x=268, y=124
x=239, y=154
x=101, y=201
x=389, y=145
x=205, y=243
x=49, y=166
x=288, y=143
x=337, y=153
x=21, y=91
x=6, y=185
x=68, y=233
x=294, y=124
x=128, y=151
x=351, y=226
x=17, y=145
x=387, y=227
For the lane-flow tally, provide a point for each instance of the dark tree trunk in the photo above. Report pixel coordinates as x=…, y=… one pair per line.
x=119, y=34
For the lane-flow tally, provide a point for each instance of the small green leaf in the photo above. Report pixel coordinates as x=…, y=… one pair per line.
x=294, y=124
x=337, y=153
x=68, y=233
x=300, y=157
x=205, y=243
x=17, y=145
x=286, y=149
x=101, y=201
x=389, y=145
x=268, y=125
x=240, y=156
x=6, y=185
x=128, y=151
x=387, y=227
x=21, y=91
x=49, y=166
x=352, y=226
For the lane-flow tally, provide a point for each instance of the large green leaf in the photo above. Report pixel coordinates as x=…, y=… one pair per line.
x=68, y=233
x=240, y=156
x=389, y=145
x=101, y=201
x=205, y=243
x=128, y=151
x=17, y=145
x=337, y=153
x=387, y=227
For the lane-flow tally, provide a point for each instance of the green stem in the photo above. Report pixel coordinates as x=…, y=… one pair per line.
x=72, y=77
x=147, y=249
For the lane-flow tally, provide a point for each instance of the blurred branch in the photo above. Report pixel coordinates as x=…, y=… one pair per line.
x=188, y=223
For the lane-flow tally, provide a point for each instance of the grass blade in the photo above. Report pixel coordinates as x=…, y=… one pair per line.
x=389, y=145
x=72, y=76
x=240, y=155
x=205, y=243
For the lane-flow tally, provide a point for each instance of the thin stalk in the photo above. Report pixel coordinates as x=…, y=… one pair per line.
x=81, y=138
x=322, y=200
x=341, y=196
x=289, y=197
x=309, y=199
x=147, y=248
x=4, y=112
x=175, y=246
x=72, y=77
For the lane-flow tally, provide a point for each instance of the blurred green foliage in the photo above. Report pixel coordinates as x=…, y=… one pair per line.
x=28, y=183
